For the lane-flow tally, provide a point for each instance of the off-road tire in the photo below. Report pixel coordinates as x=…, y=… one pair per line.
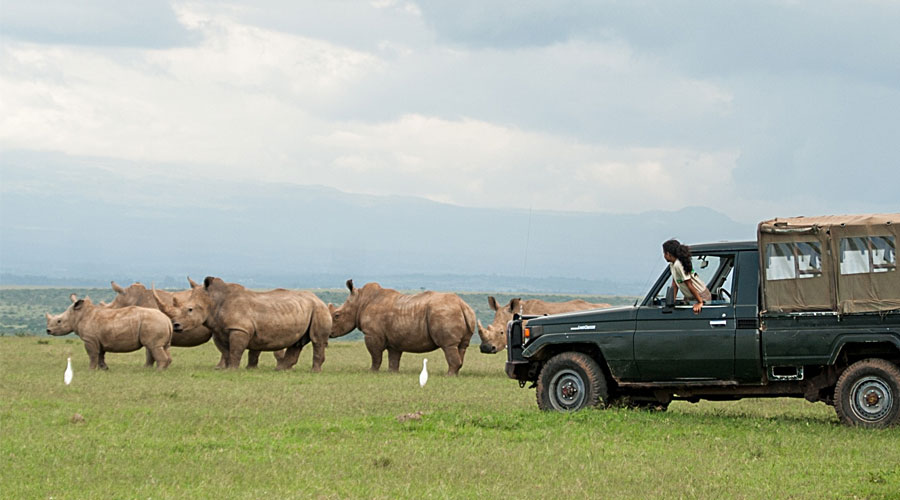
x=569, y=382
x=867, y=394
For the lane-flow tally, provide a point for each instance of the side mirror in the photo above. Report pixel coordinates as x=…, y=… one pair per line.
x=670, y=300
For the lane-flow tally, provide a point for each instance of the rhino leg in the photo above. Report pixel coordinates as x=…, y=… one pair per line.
x=223, y=351
x=394, y=360
x=93, y=351
x=376, y=350
x=162, y=357
x=279, y=355
x=462, y=351
x=148, y=357
x=453, y=361
x=252, y=359
x=238, y=340
x=291, y=355
x=318, y=355
x=101, y=359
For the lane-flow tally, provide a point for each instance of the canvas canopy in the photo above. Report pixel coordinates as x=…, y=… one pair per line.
x=843, y=263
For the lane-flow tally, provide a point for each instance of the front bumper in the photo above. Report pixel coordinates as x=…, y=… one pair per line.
x=517, y=370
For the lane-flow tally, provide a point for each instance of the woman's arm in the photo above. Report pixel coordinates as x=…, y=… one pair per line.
x=699, y=305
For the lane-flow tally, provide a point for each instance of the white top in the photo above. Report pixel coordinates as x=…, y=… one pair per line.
x=682, y=278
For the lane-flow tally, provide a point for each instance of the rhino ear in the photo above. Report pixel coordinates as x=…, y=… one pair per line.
x=207, y=281
x=47, y=315
x=350, y=285
x=514, y=304
x=116, y=287
x=78, y=305
x=193, y=283
x=73, y=298
x=493, y=302
x=331, y=308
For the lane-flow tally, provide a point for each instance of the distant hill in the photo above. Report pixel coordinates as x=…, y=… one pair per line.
x=88, y=221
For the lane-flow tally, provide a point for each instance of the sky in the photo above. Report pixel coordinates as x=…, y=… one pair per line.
x=755, y=109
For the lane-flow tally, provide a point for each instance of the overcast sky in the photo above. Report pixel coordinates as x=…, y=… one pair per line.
x=755, y=109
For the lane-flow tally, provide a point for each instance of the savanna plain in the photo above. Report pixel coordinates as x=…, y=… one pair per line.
x=196, y=432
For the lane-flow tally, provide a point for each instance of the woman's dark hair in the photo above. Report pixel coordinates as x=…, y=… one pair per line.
x=681, y=252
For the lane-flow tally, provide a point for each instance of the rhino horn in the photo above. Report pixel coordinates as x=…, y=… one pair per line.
x=116, y=287
x=159, y=303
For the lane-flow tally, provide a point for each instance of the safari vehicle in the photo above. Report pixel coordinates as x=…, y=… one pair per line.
x=811, y=309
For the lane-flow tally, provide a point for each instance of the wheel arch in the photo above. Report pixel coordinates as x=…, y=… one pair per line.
x=589, y=348
x=849, y=349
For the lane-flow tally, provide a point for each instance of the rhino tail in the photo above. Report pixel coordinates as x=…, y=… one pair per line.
x=471, y=321
x=305, y=339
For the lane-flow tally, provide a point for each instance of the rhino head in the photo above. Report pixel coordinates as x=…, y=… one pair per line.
x=343, y=319
x=64, y=324
x=186, y=314
x=135, y=295
x=493, y=338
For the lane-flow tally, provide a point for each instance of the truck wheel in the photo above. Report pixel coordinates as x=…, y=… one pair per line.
x=569, y=382
x=868, y=394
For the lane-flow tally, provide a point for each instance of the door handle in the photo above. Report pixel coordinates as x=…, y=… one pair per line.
x=718, y=322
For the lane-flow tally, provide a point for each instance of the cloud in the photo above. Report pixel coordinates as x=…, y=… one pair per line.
x=148, y=23
x=573, y=106
x=476, y=163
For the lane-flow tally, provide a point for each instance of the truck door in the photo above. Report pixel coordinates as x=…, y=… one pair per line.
x=679, y=345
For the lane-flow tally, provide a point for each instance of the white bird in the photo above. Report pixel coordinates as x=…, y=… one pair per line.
x=423, y=377
x=67, y=378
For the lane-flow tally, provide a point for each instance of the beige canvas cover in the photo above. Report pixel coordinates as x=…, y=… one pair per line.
x=843, y=263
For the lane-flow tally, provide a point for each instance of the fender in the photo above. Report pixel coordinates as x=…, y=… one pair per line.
x=843, y=339
x=615, y=347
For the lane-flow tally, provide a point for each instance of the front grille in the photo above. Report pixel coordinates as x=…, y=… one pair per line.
x=514, y=341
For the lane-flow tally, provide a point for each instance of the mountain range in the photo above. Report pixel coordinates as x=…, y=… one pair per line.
x=82, y=222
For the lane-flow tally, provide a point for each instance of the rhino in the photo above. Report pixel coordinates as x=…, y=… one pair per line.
x=242, y=319
x=402, y=323
x=493, y=338
x=105, y=329
x=138, y=295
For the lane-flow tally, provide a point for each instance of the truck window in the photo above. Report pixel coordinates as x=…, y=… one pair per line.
x=714, y=270
x=868, y=254
x=793, y=260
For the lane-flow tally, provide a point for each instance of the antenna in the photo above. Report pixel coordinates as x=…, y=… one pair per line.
x=527, y=238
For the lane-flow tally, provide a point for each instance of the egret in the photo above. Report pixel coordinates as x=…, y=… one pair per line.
x=67, y=378
x=423, y=377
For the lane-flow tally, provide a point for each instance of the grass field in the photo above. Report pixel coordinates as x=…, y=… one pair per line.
x=195, y=432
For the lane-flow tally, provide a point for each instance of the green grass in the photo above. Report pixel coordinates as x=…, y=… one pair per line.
x=195, y=432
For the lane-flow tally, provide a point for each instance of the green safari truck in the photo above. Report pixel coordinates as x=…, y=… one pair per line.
x=811, y=309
